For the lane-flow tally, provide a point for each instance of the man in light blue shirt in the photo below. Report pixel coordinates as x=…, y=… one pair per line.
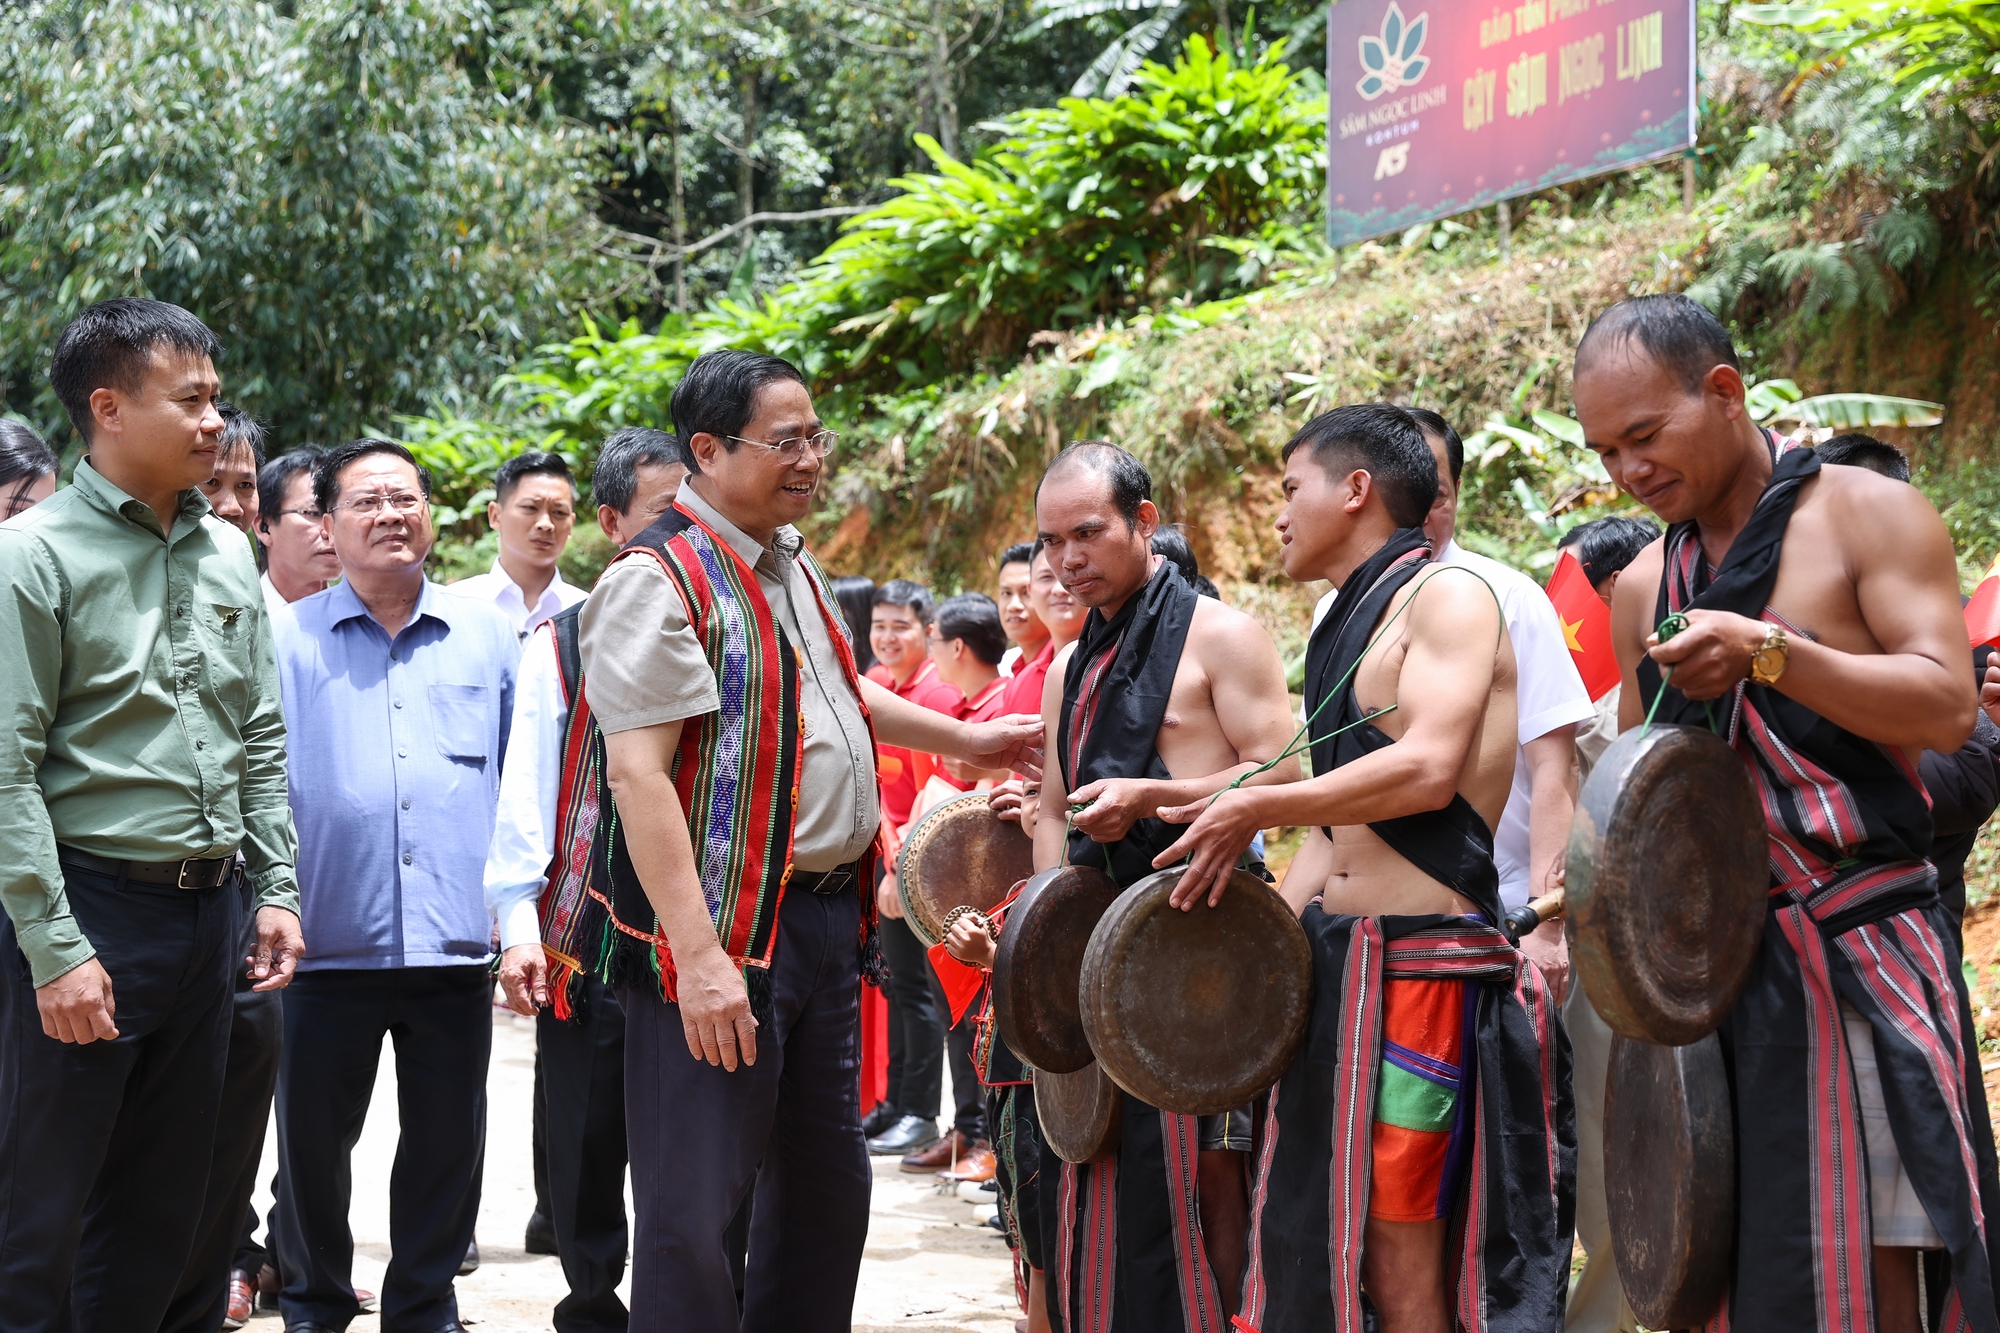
x=399, y=695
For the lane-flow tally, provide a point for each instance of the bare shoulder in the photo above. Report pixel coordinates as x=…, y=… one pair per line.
x=1223, y=639
x=1453, y=598
x=1870, y=514
x=1215, y=621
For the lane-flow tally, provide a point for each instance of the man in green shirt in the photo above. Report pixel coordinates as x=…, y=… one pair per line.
x=146, y=746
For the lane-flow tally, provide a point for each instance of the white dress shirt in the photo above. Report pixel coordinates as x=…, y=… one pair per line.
x=499, y=588
x=524, y=831
x=1549, y=694
x=274, y=601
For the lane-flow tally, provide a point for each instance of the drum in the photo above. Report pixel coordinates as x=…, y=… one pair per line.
x=1039, y=961
x=1082, y=1113
x=1199, y=1011
x=960, y=853
x=1670, y=1178
x=1667, y=875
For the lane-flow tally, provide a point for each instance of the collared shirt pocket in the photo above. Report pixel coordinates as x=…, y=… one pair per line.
x=462, y=717
x=225, y=635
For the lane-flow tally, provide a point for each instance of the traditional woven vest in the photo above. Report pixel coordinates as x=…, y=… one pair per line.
x=736, y=772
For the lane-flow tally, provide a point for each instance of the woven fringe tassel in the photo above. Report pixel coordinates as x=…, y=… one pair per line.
x=763, y=1004
x=562, y=983
x=874, y=967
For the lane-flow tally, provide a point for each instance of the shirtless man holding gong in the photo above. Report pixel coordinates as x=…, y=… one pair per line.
x=1432, y=1050
x=1167, y=698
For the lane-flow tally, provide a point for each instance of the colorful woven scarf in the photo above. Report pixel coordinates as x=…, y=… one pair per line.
x=736, y=772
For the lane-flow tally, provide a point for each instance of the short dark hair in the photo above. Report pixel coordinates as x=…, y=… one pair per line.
x=856, y=595
x=1171, y=542
x=1205, y=585
x=902, y=592
x=1857, y=450
x=975, y=618
x=718, y=395
x=1433, y=423
x=240, y=430
x=1131, y=485
x=326, y=473
x=25, y=458
x=275, y=478
x=531, y=463
x=1020, y=553
x=1606, y=545
x=1679, y=333
x=1382, y=440
x=615, y=480
x=111, y=346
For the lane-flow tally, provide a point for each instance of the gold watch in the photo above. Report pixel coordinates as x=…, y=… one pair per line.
x=1769, y=658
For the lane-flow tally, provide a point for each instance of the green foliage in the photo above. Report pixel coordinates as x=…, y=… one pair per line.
x=1948, y=49
x=361, y=223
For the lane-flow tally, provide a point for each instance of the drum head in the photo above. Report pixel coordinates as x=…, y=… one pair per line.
x=1197, y=1012
x=1670, y=1178
x=1081, y=1113
x=1038, y=964
x=960, y=853
x=1668, y=872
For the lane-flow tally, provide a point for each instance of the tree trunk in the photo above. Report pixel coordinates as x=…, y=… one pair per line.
x=942, y=97
x=746, y=168
x=680, y=213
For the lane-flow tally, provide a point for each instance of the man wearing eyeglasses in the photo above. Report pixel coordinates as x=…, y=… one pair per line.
x=718, y=669
x=398, y=697
x=298, y=550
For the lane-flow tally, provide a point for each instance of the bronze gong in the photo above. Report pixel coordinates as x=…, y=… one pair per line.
x=1670, y=1178
x=1667, y=873
x=1081, y=1113
x=1036, y=967
x=960, y=853
x=1197, y=1012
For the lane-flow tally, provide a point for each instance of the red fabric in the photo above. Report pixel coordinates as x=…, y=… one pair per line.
x=1586, y=625
x=962, y=982
x=989, y=703
x=874, y=1047
x=899, y=773
x=1982, y=613
x=1024, y=688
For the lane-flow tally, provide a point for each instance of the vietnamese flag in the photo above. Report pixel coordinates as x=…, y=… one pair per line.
x=1982, y=613
x=1586, y=625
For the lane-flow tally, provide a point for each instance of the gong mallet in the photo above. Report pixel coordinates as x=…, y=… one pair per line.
x=1523, y=919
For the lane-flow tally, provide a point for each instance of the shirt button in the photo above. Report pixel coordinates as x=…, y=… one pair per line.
x=201, y=745
x=407, y=858
x=406, y=802
x=399, y=703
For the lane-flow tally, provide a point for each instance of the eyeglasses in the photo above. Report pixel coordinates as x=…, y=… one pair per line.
x=370, y=505
x=818, y=444
x=309, y=514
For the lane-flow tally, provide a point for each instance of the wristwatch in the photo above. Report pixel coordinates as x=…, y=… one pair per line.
x=1769, y=658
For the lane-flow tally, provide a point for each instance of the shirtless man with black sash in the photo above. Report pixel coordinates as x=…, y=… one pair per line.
x=1823, y=641
x=1421, y=1147
x=1167, y=698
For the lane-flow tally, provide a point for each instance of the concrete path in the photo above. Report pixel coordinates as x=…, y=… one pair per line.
x=931, y=1266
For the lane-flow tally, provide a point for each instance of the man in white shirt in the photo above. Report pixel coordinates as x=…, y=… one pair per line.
x=298, y=550
x=1534, y=828
x=579, y=1063
x=534, y=511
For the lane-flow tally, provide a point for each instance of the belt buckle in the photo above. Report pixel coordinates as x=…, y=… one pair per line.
x=180, y=876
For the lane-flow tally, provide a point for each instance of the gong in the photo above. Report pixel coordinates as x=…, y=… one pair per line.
x=1081, y=1113
x=959, y=854
x=1667, y=875
x=1197, y=1012
x=1670, y=1178
x=1039, y=960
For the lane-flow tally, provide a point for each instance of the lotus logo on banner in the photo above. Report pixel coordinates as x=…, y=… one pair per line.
x=1393, y=60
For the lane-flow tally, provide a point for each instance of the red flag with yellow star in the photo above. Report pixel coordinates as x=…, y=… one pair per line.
x=1982, y=612
x=1586, y=623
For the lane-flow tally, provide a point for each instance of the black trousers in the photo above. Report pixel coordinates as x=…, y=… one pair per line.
x=916, y=1023
x=104, y=1148
x=581, y=1064
x=441, y=1021
x=790, y=1126
x=256, y=1033
x=969, y=1115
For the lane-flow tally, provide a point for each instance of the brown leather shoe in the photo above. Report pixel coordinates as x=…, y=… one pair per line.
x=975, y=1164
x=241, y=1298
x=942, y=1153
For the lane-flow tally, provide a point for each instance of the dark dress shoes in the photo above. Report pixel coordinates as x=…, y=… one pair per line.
x=471, y=1260
x=879, y=1119
x=541, y=1235
x=908, y=1134
x=308, y=1326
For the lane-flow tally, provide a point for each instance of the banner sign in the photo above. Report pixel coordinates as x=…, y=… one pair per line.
x=1435, y=107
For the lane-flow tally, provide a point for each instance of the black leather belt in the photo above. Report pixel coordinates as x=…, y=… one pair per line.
x=189, y=874
x=826, y=883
